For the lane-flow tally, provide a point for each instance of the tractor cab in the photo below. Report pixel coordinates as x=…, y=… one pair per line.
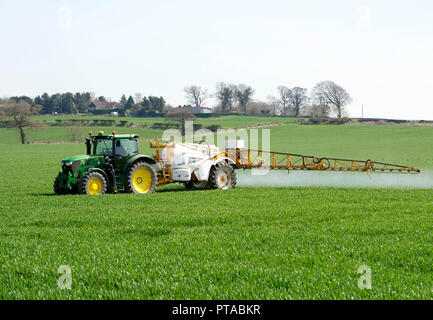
x=113, y=146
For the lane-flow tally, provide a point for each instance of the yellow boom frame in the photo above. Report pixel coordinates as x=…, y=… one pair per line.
x=248, y=159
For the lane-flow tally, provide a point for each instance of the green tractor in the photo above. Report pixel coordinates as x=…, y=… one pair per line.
x=112, y=164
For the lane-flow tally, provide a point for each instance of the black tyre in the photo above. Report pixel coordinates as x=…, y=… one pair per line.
x=196, y=185
x=57, y=188
x=93, y=183
x=222, y=176
x=141, y=178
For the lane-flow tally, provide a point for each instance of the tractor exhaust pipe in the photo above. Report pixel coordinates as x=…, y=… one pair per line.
x=88, y=146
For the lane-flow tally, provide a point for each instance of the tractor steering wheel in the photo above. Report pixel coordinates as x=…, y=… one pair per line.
x=106, y=152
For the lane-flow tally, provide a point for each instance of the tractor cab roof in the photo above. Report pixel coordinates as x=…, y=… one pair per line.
x=102, y=135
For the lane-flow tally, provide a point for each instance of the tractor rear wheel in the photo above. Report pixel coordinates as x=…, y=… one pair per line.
x=93, y=183
x=222, y=176
x=141, y=179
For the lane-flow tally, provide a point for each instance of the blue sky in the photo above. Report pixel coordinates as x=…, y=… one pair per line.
x=380, y=51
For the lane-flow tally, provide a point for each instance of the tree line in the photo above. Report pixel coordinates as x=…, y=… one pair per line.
x=325, y=97
x=67, y=103
x=141, y=105
x=70, y=103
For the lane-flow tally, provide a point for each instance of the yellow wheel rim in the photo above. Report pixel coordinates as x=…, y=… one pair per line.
x=142, y=180
x=94, y=186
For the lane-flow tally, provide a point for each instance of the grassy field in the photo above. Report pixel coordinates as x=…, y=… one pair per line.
x=50, y=133
x=246, y=243
x=225, y=121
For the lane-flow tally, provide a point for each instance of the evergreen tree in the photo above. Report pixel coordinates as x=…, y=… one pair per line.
x=67, y=104
x=22, y=99
x=123, y=100
x=82, y=101
x=55, y=103
x=161, y=105
x=45, y=103
x=129, y=103
x=87, y=99
x=156, y=104
x=39, y=101
x=147, y=106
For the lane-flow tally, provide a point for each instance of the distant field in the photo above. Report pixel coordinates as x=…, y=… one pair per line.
x=225, y=122
x=62, y=134
x=246, y=243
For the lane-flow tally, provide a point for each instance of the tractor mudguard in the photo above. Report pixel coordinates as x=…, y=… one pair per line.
x=202, y=172
x=107, y=178
x=225, y=159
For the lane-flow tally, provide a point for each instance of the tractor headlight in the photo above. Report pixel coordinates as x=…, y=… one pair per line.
x=68, y=163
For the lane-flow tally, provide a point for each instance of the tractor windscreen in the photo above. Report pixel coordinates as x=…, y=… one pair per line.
x=126, y=147
x=103, y=147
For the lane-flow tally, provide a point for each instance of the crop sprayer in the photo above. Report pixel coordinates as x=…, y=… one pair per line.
x=113, y=164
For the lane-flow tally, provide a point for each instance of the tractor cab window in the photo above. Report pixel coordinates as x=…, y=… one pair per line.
x=125, y=147
x=103, y=147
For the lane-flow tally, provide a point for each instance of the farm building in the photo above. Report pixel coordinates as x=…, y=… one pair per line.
x=200, y=110
x=99, y=105
x=195, y=109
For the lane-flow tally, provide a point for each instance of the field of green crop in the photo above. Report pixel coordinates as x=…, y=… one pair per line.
x=246, y=243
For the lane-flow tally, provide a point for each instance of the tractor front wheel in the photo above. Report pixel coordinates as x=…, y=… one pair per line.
x=57, y=188
x=222, y=176
x=141, y=179
x=93, y=183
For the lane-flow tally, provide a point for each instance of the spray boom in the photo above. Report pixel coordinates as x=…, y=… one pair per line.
x=248, y=159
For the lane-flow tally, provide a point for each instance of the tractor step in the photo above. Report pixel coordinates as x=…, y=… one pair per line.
x=119, y=182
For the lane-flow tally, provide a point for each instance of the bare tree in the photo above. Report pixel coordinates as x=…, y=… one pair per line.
x=317, y=97
x=259, y=108
x=331, y=94
x=75, y=133
x=317, y=112
x=92, y=96
x=285, y=96
x=196, y=95
x=168, y=107
x=320, y=107
x=224, y=95
x=274, y=104
x=243, y=95
x=138, y=97
x=298, y=99
x=21, y=117
x=181, y=114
